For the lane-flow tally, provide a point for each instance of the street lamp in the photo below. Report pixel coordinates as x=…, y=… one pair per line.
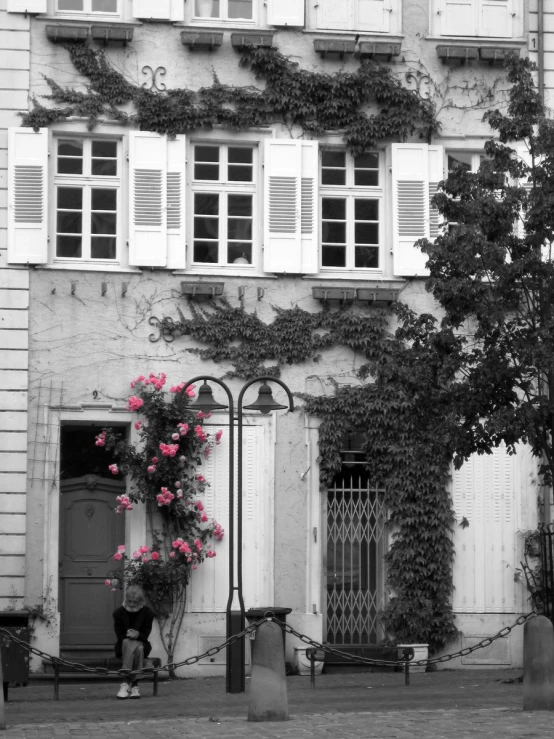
x=235, y=619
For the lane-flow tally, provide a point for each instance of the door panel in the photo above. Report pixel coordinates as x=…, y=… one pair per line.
x=90, y=532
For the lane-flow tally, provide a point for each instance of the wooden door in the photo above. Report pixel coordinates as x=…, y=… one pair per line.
x=90, y=532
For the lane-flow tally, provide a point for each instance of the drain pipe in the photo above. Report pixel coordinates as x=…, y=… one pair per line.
x=540, y=49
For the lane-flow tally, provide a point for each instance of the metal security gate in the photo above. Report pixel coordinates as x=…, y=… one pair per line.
x=354, y=564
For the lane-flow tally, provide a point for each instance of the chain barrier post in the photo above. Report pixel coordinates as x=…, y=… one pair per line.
x=268, y=685
x=538, y=665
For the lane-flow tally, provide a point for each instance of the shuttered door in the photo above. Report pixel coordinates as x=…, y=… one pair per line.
x=176, y=200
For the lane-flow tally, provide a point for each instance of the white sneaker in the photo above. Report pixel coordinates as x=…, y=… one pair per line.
x=134, y=693
x=124, y=690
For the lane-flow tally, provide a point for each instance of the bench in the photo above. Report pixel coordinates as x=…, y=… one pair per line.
x=388, y=654
x=150, y=663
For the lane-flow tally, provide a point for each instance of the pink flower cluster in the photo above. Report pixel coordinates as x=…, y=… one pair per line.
x=218, y=436
x=114, y=469
x=178, y=388
x=112, y=584
x=134, y=403
x=202, y=415
x=200, y=433
x=165, y=497
x=183, y=428
x=101, y=439
x=152, y=379
x=169, y=450
x=124, y=504
x=218, y=530
x=120, y=552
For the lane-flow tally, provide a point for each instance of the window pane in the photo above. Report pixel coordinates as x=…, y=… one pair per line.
x=104, y=199
x=240, y=155
x=103, y=223
x=366, y=233
x=70, y=157
x=333, y=256
x=68, y=247
x=70, y=148
x=239, y=228
x=206, y=204
x=206, y=8
x=240, y=9
x=205, y=251
x=333, y=168
x=333, y=232
x=104, y=6
x=366, y=210
x=366, y=178
x=333, y=208
x=104, y=158
x=366, y=257
x=102, y=248
x=206, y=228
x=240, y=205
x=460, y=160
x=206, y=153
x=206, y=171
x=239, y=173
x=239, y=253
x=203, y=170
x=70, y=4
x=333, y=158
x=69, y=222
x=367, y=161
x=70, y=198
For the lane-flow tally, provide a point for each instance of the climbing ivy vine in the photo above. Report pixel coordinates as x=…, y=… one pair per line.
x=313, y=101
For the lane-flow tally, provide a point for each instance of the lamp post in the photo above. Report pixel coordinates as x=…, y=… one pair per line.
x=235, y=617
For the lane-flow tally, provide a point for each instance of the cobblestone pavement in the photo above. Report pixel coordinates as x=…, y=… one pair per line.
x=447, y=703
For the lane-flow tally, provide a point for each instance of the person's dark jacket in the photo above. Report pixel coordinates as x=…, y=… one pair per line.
x=141, y=621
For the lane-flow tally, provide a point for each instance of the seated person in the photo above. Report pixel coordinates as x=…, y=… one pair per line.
x=132, y=624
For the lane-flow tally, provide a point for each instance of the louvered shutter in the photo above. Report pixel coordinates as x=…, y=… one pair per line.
x=373, y=15
x=27, y=6
x=160, y=10
x=459, y=17
x=290, y=208
x=285, y=12
x=436, y=174
x=495, y=18
x=176, y=231
x=27, y=196
x=147, y=199
x=335, y=15
x=410, y=199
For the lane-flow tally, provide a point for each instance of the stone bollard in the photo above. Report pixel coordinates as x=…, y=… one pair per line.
x=538, y=665
x=268, y=686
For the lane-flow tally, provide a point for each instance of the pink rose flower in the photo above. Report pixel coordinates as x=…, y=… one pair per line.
x=151, y=469
x=172, y=555
x=155, y=460
x=118, y=556
x=134, y=403
x=121, y=548
x=175, y=437
x=199, y=505
x=155, y=556
x=204, y=518
x=200, y=414
x=138, y=424
x=113, y=468
x=218, y=436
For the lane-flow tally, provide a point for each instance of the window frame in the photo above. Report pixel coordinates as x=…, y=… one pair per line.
x=351, y=193
x=87, y=182
x=225, y=188
x=394, y=8
x=223, y=19
x=88, y=12
x=436, y=11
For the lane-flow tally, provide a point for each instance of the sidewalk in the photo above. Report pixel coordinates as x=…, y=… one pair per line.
x=439, y=704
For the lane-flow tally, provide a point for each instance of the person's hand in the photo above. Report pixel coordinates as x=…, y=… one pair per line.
x=132, y=634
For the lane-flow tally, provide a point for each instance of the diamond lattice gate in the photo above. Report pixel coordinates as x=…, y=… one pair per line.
x=354, y=565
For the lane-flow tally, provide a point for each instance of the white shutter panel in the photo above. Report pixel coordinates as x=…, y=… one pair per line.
x=176, y=222
x=436, y=174
x=159, y=10
x=373, y=15
x=282, y=206
x=27, y=196
x=309, y=210
x=335, y=15
x=285, y=12
x=147, y=200
x=410, y=201
x=27, y=6
x=459, y=17
x=495, y=18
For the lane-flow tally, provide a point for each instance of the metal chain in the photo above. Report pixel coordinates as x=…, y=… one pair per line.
x=77, y=666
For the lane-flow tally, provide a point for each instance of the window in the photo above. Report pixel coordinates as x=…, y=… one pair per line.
x=87, y=199
x=223, y=10
x=379, y=16
x=351, y=205
x=466, y=160
x=223, y=204
x=87, y=6
x=487, y=18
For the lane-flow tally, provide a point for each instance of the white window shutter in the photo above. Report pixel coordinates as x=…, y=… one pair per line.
x=27, y=6
x=373, y=15
x=177, y=10
x=436, y=174
x=147, y=199
x=159, y=10
x=282, y=206
x=410, y=201
x=495, y=18
x=309, y=202
x=27, y=196
x=459, y=17
x=335, y=15
x=176, y=222
x=285, y=12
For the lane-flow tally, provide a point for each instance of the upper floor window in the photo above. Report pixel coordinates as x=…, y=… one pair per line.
x=87, y=195
x=87, y=6
x=351, y=205
x=490, y=18
x=224, y=10
x=223, y=184
x=378, y=16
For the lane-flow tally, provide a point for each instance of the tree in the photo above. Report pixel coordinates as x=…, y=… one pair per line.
x=490, y=355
